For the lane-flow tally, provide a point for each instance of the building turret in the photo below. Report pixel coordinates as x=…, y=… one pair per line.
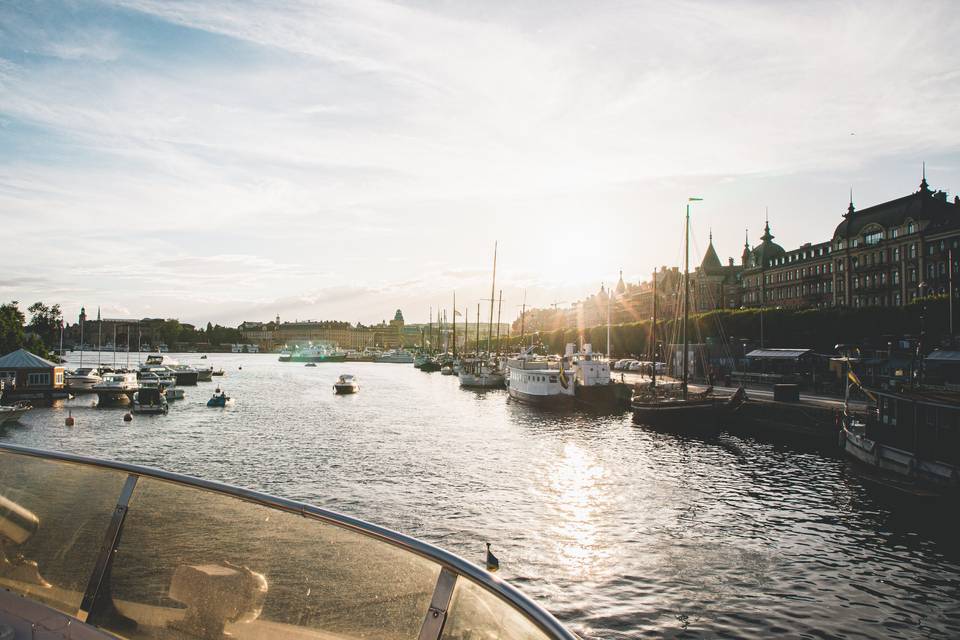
x=745, y=256
x=621, y=286
x=710, y=261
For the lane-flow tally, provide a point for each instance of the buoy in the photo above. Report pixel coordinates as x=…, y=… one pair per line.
x=127, y=417
x=69, y=421
x=241, y=368
x=492, y=563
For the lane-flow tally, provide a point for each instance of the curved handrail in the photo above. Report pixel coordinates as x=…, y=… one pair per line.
x=543, y=619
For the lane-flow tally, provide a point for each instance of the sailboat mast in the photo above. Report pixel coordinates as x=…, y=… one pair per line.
x=523, y=317
x=478, y=329
x=499, y=308
x=99, y=337
x=454, y=324
x=493, y=288
x=83, y=321
x=653, y=332
x=686, y=299
x=608, y=325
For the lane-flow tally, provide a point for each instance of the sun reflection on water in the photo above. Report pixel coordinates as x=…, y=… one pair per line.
x=576, y=486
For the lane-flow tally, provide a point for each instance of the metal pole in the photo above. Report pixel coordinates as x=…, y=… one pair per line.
x=686, y=298
x=83, y=321
x=114, y=345
x=523, y=317
x=454, y=325
x=653, y=332
x=61, y=339
x=478, y=329
x=950, y=286
x=499, y=308
x=99, y=337
x=493, y=285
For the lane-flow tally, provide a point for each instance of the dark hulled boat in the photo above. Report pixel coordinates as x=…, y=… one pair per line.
x=682, y=412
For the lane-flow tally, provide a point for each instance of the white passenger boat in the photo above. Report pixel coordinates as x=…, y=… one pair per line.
x=541, y=381
x=100, y=550
x=82, y=379
x=185, y=375
x=115, y=387
x=396, y=356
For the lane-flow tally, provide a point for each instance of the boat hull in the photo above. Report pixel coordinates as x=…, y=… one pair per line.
x=899, y=469
x=150, y=409
x=186, y=378
x=553, y=400
x=482, y=381
x=691, y=418
x=12, y=414
x=205, y=375
x=345, y=389
x=114, y=396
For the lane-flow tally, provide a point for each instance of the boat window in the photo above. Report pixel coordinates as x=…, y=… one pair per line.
x=473, y=609
x=189, y=555
x=38, y=379
x=48, y=547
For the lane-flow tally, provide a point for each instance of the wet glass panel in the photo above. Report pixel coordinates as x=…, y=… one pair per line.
x=477, y=614
x=196, y=564
x=53, y=519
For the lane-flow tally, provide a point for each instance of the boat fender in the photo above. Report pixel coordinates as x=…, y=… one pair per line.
x=127, y=417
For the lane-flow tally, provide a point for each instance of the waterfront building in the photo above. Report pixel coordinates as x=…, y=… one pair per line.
x=272, y=336
x=25, y=374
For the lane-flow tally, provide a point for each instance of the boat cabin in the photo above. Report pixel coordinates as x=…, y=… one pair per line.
x=925, y=423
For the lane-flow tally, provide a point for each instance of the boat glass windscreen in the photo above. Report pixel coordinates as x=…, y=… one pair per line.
x=199, y=560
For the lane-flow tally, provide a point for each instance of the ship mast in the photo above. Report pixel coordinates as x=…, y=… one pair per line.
x=493, y=290
x=653, y=332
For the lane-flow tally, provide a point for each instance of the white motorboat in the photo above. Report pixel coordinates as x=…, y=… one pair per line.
x=397, y=356
x=150, y=399
x=13, y=413
x=82, y=379
x=541, y=381
x=185, y=375
x=346, y=384
x=115, y=387
x=191, y=558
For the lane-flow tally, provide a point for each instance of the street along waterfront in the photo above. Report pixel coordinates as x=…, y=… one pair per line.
x=618, y=531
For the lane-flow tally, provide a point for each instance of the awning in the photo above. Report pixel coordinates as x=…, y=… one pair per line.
x=778, y=354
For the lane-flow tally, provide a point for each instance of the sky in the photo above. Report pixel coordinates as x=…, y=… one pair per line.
x=227, y=160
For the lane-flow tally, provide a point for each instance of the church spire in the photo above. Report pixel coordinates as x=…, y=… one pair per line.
x=850, y=208
x=924, y=187
x=767, y=236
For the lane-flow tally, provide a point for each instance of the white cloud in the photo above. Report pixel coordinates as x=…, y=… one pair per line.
x=372, y=142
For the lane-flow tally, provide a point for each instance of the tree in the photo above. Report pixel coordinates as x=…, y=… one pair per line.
x=45, y=322
x=12, y=334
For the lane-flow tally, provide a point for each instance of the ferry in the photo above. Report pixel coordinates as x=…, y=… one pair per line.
x=99, y=550
x=541, y=381
x=396, y=356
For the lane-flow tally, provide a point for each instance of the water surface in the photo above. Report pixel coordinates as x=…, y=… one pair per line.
x=619, y=531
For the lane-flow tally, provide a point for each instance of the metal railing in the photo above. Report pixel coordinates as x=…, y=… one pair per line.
x=451, y=565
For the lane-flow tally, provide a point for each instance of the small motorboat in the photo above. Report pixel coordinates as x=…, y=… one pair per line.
x=218, y=372
x=310, y=364
x=203, y=357
x=346, y=384
x=12, y=413
x=150, y=399
x=219, y=399
x=205, y=374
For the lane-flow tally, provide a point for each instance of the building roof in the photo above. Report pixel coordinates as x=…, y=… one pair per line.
x=767, y=250
x=710, y=259
x=923, y=204
x=23, y=359
x=944, y=356
x=778, y=354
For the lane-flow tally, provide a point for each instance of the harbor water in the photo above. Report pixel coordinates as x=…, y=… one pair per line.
x=619, y=531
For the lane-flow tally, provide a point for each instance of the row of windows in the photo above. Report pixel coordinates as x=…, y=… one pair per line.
x=516, y=376
x=874, y=237
x=800, y=255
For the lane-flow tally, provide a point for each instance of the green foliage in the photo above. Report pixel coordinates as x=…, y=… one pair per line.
x=818, y=329
x=45, y=322
x=12, y=333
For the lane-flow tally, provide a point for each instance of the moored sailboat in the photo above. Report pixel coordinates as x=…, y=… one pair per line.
x=682, y=412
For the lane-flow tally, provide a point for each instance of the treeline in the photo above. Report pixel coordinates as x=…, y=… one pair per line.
x=818, y=329
x=41, y=334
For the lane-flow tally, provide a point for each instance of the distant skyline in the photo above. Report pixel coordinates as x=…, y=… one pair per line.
x=225, y=161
